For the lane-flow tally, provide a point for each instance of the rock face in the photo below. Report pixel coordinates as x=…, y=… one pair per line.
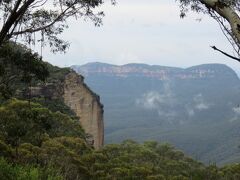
x=69, y=87
x=86, y=105
x=155, y=71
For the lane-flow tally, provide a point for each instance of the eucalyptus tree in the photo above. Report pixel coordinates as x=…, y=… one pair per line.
x=32, y=22
x=225, y=12
x=44, y=20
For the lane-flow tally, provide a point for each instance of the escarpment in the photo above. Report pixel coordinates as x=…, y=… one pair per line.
x=86, y=104
x=71, y=89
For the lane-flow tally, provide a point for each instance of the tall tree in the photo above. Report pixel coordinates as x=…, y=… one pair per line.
x=226, y=13
x=43, y=20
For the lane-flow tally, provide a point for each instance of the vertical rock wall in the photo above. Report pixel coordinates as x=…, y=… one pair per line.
x=86, y=105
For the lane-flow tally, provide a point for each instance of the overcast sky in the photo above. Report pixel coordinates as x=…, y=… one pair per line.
x=144, y=31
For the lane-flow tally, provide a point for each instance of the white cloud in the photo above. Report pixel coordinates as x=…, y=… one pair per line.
x=199, y=103
x=236, y=116
x=190, y=110
x=236, y=110
x=163, y=102
x=202, y=106
x=150, y=100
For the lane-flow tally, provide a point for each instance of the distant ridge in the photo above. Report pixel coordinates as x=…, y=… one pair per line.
x=156, y=71
x=101, y=64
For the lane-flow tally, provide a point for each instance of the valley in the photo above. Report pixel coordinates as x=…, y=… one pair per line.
x=195, y=109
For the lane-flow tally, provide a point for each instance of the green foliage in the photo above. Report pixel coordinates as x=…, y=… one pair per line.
x=67, y=154
x=32, y=134
x=16, y=172
x=64, y=153
x=21, y=122
x=19, y=66
x=231, y=172
x=57, y=74
x=5, y=150
x=37, y=143
x=24, y=59
x=130, y=160
x=36, y=22
x=150, y=160
x=54, y=105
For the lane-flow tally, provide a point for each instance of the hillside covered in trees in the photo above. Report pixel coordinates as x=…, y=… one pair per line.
x=195, y=109
x=42, y=138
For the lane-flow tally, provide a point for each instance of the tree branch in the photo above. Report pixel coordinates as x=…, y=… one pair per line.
x=31, y=30
x=13, y=17
x=227, y=13
x=226, y=54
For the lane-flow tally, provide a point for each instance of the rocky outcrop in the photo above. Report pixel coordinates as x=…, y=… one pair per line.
x=86, y=104
x=81, y=100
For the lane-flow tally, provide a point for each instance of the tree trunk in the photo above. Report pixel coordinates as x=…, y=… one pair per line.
x=227, y=13
x=13, y=18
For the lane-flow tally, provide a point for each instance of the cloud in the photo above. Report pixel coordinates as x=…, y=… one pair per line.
x=236, y=116
x=190, y=110
x=163, y=102
x=198, y=104
x=202, y=106
x=153, y=99
x=150, y=100
x=236, y=110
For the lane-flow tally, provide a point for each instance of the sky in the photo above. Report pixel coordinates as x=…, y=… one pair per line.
x=144, y=31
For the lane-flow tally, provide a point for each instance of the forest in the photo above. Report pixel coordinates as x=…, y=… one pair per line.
x=41, y=138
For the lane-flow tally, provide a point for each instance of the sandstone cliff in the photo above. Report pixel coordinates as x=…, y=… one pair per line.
x=155, y=71
x=86, y=105
x=70, y=88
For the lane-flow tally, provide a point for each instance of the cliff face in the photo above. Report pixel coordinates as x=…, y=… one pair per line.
x=155, y=71
x=86, y=105
x=81, y=100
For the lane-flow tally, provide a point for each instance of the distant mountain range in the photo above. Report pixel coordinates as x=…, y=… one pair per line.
x=155, y=71
x=196, y=109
